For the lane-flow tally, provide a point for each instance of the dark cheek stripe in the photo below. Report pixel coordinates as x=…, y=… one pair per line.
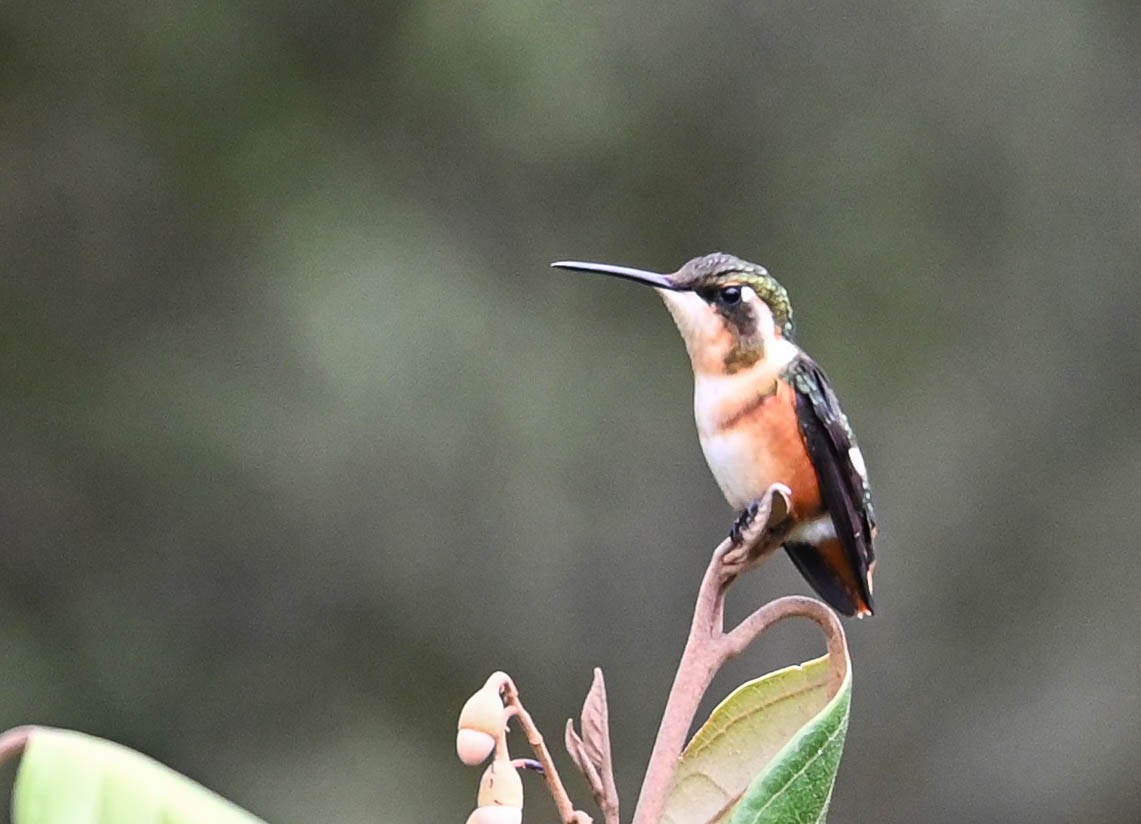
x=742, y=323
x=741, y=318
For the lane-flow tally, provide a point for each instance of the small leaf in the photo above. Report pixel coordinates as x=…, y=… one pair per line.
x=596, y=726
x=591, y=752
x=67, y=777
x=769, y=752
x=578, y=754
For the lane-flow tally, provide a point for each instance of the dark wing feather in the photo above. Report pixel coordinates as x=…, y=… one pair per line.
x=843, y=485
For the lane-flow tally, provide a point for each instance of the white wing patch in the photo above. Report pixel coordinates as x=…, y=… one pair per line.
x=815, y=532
x=857, y=459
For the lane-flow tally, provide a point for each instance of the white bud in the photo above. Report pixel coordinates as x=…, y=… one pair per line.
x=474, y=746
x=496, y=815
x=483, y=712
x=501, y=786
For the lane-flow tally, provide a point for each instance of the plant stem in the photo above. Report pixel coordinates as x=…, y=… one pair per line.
x=709, y=647
x=699, y=663
x=510, y=693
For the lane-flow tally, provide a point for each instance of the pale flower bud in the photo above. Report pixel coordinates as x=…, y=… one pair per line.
x=501, y=786
x=496, y=815
x=482, y=721
x=473, y=746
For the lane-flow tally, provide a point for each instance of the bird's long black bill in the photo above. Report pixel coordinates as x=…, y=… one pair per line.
x=625, y=272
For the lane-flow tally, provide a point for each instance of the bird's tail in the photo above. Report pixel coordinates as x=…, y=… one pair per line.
x=825, y=567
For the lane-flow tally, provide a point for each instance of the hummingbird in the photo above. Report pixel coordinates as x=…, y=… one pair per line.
x=766, y=413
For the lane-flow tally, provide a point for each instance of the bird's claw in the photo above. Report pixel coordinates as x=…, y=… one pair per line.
x=757, y=531
x=743, y=522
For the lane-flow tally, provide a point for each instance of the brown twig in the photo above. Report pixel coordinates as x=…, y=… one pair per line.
x=709, y=646
x=510, y=693
x=796, y=606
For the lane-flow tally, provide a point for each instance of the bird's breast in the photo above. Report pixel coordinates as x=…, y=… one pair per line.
x=751, y=438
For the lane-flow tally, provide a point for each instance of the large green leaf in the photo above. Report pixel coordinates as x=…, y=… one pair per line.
x=769, y=752
x=71, y=778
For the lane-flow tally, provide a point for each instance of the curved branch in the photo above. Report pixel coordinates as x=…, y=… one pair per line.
x=709, y=646
x=790, y=606
x=699, y=663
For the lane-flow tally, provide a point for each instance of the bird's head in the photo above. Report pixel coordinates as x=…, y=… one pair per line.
x=728, y=310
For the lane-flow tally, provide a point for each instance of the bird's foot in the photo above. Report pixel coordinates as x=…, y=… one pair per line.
x=758, y=530
x=743, y=522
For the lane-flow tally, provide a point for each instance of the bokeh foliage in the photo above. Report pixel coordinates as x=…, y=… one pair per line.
x=299, y=438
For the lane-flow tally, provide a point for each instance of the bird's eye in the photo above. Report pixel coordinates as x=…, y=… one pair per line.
x=729, y=295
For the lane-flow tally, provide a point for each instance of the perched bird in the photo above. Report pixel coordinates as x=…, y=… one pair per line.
x=766, y=414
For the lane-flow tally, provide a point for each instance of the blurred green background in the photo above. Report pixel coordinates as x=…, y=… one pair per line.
x=300, y=438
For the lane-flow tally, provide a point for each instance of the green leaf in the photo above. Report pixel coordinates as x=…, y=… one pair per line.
x=71, y=778
x=798, y=785
x=769, y=752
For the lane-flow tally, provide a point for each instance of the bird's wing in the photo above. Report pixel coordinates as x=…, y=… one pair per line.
x=839, y=467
